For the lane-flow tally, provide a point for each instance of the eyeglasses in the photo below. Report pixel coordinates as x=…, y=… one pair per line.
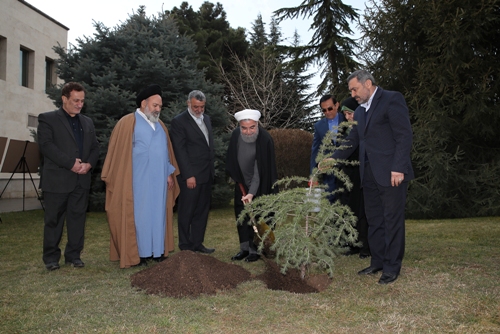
x=327, y=109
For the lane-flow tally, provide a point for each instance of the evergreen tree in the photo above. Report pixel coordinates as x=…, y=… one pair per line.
x=275, y=35
x=298, y=82
x=262, y=81
x=214, y=37
x=329, y=47
x=117, y=63
x=444, y=56
x=258, y=35
x=393, y=43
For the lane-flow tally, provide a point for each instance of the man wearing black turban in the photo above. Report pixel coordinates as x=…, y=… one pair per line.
x=141, y=187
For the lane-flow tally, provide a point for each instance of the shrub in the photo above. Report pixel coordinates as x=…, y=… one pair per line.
x=293, y=152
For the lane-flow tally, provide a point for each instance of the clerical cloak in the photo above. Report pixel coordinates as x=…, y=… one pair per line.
x=117, y=174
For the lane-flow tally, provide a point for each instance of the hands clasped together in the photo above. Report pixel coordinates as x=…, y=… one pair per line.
x=81, y=167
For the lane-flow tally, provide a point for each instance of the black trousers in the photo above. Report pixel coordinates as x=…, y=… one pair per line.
x=71, y=207
x=192, y=214
x=385, y=211
x=245, y=231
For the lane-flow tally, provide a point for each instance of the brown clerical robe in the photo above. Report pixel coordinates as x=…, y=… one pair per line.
x=117, y=174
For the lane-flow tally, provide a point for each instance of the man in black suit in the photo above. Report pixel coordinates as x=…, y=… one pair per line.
x=384, y=137
x=70, y=149
x=193, y=143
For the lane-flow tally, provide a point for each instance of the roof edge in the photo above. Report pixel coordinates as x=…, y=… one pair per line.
x=43, y=14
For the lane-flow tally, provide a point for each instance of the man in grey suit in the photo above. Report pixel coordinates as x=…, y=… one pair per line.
x=384, y=136
x=193, y=142
x=68, y=143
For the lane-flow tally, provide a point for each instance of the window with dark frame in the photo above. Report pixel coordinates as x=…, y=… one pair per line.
x=49, y=73
x=24, y=58
x=3, y=58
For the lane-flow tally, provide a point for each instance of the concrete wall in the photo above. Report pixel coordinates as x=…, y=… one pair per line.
x=16, y=187
x=22, y=25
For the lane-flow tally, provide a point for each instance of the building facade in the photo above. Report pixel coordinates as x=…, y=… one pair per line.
x=27, y=68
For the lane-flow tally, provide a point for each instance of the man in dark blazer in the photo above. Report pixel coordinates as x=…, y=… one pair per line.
x=330, y=108
x=193, y=143
x=384, y=137
x=68, y=143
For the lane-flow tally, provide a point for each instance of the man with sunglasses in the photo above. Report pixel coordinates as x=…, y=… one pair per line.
x=329, y=106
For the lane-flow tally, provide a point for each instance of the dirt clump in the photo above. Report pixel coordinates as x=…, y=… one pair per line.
x=291, y=281
x=189, y=274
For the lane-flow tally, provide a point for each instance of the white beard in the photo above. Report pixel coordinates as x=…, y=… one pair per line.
x=250, y=138
x=151, y=116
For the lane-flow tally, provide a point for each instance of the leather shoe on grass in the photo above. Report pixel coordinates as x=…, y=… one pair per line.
x=76, y=263
x=160, y=258
x=369, y=271
x=52, y=266
x=204, y=250
x=252, y=258
x=240, y=256
x=387, y=278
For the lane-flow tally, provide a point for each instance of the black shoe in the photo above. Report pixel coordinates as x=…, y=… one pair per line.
x=76, y=263
x=364, y=255
x=387, y=278
x=204, y=250
x=252, y=257
x=142, y=263
x=52, y=266
x=240, y=256
x=369, y=271
x=351, y=251
x=159, y=259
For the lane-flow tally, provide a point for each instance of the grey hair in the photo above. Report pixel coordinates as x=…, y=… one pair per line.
x=196, y=94
x=362, y=76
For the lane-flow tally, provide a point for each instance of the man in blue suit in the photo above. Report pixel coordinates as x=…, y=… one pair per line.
x=384, y=137
x=329, y=106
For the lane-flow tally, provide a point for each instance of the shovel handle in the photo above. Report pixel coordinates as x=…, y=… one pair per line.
x=242, y=188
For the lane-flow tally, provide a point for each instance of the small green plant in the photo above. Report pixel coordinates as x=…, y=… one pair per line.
x=309, y=231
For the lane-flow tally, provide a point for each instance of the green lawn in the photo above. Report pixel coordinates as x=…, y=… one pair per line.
x=449, y=284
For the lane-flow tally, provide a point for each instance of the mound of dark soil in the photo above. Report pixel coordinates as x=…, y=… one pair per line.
x=292, y=282
x=190, y=274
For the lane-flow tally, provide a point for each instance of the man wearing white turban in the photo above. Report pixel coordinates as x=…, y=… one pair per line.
x=251, y=163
